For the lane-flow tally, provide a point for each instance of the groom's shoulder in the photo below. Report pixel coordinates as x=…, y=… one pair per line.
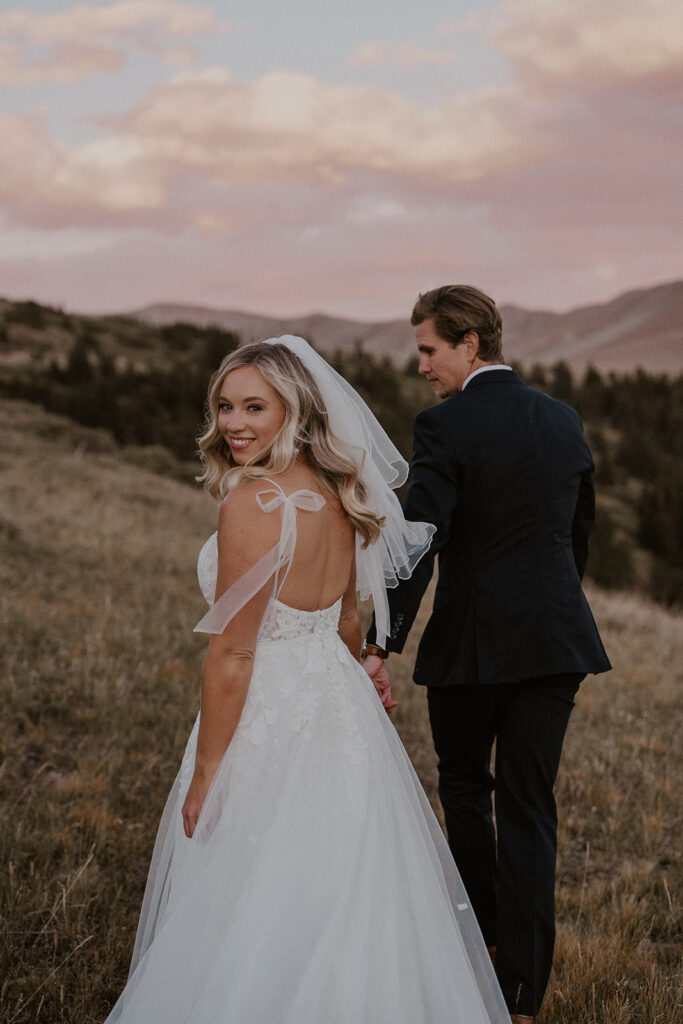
x=436, y=416
x=468, y=407
x=552, y=405
x=452, y=410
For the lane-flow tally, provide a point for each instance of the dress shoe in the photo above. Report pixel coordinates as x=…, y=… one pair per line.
x=518, y=1018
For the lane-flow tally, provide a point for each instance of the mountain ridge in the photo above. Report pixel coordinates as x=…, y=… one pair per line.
x=641, y=327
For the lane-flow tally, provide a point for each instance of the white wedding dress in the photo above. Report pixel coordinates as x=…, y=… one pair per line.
x=318, y=887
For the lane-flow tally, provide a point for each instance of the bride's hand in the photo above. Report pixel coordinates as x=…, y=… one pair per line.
x=377, y=669
x=194, y=801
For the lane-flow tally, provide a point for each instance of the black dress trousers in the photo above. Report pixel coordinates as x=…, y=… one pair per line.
x=509, y=870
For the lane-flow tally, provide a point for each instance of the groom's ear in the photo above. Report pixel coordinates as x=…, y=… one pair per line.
x=471, y=343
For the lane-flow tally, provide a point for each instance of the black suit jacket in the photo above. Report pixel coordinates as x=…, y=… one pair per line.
x=505, y=474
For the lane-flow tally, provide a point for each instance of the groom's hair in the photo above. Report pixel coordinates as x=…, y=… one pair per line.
x=457, y=309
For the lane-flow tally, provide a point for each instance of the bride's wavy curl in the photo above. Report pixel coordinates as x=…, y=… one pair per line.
x=305, y=428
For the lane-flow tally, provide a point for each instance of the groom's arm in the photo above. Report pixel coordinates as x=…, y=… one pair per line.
x=584, y=511
x=432, y=497
x=584, y=518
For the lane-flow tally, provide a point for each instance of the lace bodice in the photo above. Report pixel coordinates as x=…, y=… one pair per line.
x=207, y=568
x=282, y=622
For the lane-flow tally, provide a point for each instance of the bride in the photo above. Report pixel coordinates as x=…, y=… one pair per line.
x=299, y=875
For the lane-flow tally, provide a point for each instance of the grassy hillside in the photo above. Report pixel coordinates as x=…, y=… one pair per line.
x=99, y=679
x=34, y=337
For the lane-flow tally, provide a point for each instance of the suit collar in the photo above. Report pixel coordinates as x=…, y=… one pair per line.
x=492, y=377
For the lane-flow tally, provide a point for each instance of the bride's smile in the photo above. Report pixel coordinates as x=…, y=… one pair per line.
x=239, y=442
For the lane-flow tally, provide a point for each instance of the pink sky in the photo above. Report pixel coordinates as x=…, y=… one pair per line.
x=153, y=151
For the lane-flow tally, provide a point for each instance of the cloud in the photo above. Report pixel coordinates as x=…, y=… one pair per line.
x=372, y=209
x=123, y=17
x=471, y=22
x=46, y=182
x=66, y=62
x=201, y=131
x=374, y=53
x=292, y=127
x=588, y=44
x=85, y=39
x=181, y=56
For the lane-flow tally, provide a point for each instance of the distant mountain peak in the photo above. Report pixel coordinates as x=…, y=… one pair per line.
x=641, y=327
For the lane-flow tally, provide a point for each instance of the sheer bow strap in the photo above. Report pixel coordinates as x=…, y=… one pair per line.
x=273, y=562
x=308, y=501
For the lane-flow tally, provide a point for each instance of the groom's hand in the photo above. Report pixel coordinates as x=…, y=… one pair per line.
x=376, y=668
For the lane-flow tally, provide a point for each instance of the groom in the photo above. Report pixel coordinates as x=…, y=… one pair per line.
x=505, y=474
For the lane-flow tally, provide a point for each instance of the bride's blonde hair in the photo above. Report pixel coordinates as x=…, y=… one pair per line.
x=305, y=428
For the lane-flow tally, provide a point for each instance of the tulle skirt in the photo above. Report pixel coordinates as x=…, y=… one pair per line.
x=318, y=887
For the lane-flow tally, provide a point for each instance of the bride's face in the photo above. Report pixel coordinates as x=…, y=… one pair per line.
x=250, y=413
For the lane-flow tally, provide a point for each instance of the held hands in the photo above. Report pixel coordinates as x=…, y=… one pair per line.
x=377, y=669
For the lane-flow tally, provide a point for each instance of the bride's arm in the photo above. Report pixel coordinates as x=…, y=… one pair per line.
x=245, y=534
x=351, y=633
x=349, y=620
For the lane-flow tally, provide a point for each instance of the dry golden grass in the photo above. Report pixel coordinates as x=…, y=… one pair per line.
x=99, y=681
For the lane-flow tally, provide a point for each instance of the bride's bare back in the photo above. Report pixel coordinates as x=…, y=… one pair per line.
x=323, y=558
x=322, y=569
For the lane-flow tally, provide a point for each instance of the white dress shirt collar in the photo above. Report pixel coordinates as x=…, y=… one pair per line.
x=483, y=369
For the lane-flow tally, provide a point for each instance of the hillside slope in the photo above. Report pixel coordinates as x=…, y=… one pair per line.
x=640, y=328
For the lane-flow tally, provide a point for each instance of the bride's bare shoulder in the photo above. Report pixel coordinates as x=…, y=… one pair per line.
x=244, y=494
x=241, y=517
